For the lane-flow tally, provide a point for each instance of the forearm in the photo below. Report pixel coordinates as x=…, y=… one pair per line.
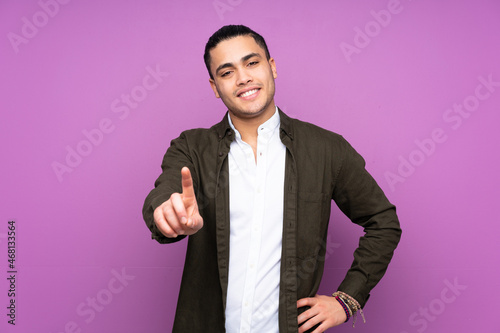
x=363, y=201
x=372, y=256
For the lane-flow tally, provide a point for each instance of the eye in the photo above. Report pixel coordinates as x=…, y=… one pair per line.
x=225, y=73
x=253, y=63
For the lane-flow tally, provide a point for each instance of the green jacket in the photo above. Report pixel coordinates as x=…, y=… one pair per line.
x=320, y=166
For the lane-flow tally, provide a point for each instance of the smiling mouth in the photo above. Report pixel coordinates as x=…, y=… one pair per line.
x=248, y=93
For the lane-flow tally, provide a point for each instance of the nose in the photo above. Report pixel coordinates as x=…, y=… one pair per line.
x=243, y=77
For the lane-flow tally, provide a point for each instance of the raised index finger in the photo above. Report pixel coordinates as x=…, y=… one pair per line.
x=187, y=183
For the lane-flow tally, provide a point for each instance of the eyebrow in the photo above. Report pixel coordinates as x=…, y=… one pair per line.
x=243, y=59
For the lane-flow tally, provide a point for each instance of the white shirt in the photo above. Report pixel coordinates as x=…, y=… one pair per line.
x=256, y=226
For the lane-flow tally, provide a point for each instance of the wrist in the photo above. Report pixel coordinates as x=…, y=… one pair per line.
x=351, y=305
x=347, y=311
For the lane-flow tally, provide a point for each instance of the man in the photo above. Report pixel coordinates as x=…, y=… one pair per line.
x=253, y=193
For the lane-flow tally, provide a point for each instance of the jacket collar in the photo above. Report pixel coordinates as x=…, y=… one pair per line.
x=223, y=128
x=286, y=124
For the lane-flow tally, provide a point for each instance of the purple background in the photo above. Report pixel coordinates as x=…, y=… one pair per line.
x=387, y=97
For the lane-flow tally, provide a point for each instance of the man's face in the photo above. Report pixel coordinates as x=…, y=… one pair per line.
x=243, y=77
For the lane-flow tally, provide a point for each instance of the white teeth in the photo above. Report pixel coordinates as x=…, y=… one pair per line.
x=248, y=93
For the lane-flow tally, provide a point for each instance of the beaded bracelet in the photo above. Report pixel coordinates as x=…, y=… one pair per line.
x=352, y=305
x=346, y=309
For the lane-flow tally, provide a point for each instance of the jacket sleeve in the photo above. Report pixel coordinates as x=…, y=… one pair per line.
x=176, y=157
x=361, y=199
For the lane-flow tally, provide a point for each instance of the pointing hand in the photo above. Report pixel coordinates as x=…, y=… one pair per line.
x=179, y=215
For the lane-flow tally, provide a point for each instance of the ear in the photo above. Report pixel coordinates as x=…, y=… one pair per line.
x=214, y=87
x=273, y=67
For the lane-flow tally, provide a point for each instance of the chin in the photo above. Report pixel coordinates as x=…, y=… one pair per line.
x=253, y=112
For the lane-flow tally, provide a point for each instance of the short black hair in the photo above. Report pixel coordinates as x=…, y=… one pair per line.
x=228, y=32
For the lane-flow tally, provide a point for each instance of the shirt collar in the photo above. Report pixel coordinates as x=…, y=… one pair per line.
x=223, y=128
x=269, y=125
